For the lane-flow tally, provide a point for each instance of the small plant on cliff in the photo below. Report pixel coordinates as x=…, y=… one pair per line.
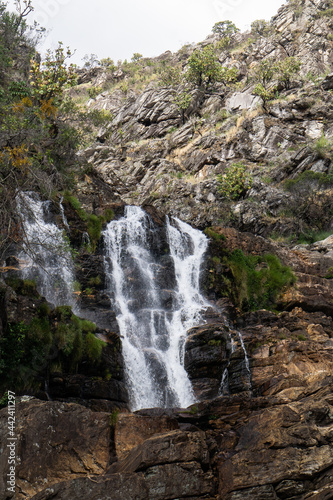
x=286, y=69
x=93, y=347
x=182, y=101
x=235, y=182
x=94, y=92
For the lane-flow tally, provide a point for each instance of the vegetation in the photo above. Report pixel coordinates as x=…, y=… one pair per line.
x=225, y=28
x=53, y=338
x=38, y=146
x=258, y=280
x=204, y=69
x=260, y=27
x=182, y=101
x=267, y=70
x=235, y=182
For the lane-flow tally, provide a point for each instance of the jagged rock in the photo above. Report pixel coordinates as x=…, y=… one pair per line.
x=242, y=100
x=327, y=83
x=132, y=430
x=166, y=448
x=54, y=440
x=113, y=487
x=207, y=350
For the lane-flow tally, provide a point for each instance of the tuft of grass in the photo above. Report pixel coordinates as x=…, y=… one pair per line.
x=258, y=280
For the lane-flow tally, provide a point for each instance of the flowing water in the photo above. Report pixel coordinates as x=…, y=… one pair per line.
x=153, y=280
x=46, y=252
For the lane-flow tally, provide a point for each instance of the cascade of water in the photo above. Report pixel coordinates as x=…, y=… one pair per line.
x=62, y=211
x=46, y=252
x=156, y=300
x=246, y=358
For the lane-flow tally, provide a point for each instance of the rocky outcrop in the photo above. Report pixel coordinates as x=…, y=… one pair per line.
x=262, y=426
x=55, y=441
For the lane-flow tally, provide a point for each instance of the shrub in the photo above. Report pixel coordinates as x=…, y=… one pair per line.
x=214, y=235
x=236, y=181
x=260, y=27
x=322, y=147
x=286, y=69
x=182, y=101
x=94, y=92
x=94, y=228
x=203, y=67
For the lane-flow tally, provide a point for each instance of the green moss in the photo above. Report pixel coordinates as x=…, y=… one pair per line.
x=308, y=237
x=215, y=343
x=114, y=418
x=108, y=215
x=76, y=205
x=93, y=347
x=23, y=287
x=258, y=280
x=322, y=180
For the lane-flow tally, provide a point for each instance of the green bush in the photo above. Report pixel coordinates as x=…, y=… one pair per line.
x=236, y=181
x=94, y=92
x=322, y=147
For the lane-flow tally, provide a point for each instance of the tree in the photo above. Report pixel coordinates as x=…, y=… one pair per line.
x=90, y=61
x=265, y=94
x=182, y=101
x=203, y=67
x=136, y=57
x=37, y=145
x=225, y=28
x=286, y=69
x=265, y=71
x=260, y=27
x=53, y=76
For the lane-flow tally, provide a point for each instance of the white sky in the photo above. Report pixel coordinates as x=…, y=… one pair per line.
x=117, y=29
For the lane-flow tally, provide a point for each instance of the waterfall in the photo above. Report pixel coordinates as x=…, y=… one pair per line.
x=46, y=252
x=153, y=280
x=246, y=358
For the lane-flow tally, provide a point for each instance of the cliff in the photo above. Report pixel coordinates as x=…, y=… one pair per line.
x=252, y=168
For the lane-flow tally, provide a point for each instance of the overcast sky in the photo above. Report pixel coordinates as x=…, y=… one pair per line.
x=117, y=29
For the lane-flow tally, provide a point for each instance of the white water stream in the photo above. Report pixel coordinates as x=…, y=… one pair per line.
x=157, y=300
x=46, y=253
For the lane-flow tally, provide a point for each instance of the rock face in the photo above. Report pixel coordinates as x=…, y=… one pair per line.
x=262, y=426
x=56, y=441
